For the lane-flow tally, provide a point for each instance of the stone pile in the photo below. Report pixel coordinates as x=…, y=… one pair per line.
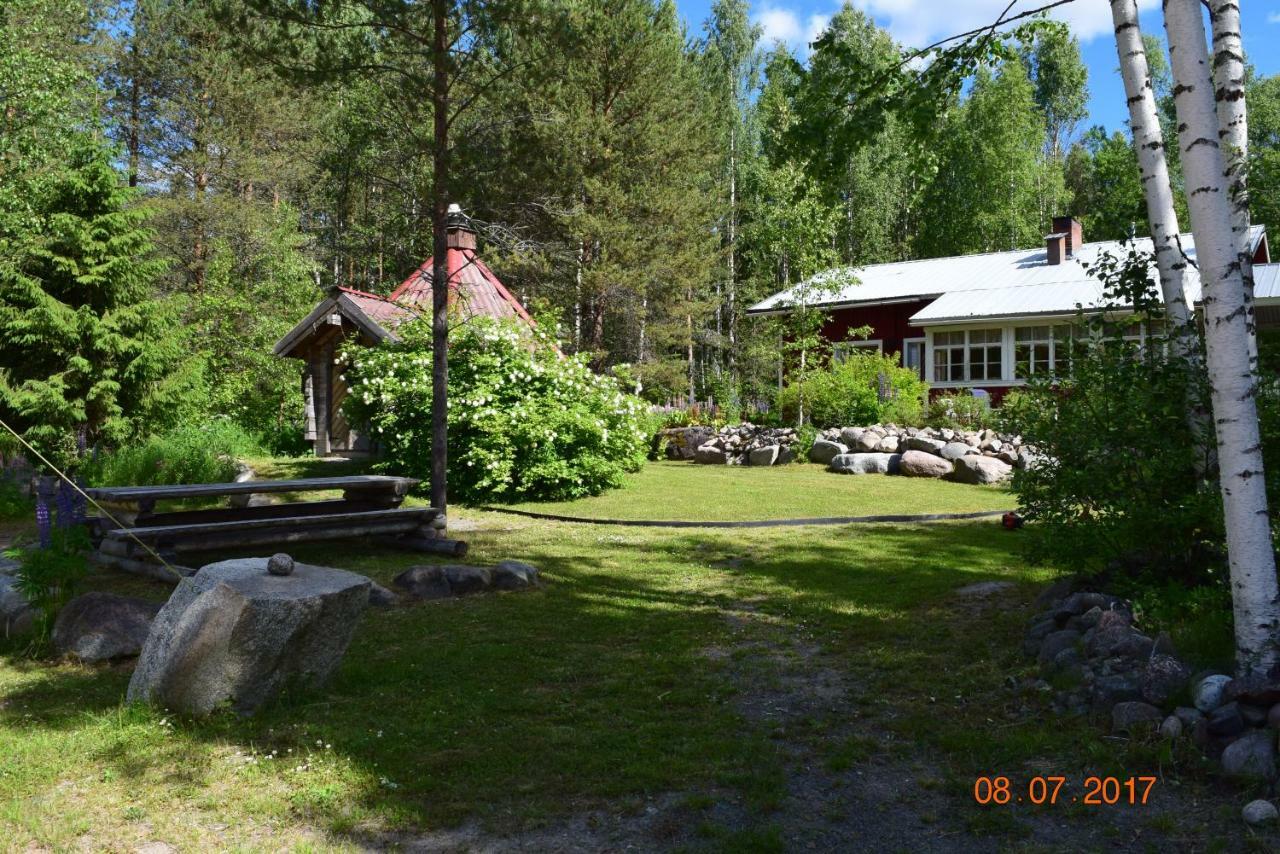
x=741, y=444
x=967, y=456
x=1087, y=643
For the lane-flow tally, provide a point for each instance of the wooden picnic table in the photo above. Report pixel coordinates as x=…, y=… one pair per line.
x=370, y=506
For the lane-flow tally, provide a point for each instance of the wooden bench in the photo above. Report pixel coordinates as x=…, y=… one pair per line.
x=134, y=533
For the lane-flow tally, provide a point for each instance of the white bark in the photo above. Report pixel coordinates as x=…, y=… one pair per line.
x=1255, y=594
x=1233, y=133
x=1148, y=140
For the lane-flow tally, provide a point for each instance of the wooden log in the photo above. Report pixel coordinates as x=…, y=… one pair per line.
x=266, y=511
x=438, y=545
x=136, y=494
x=409, y=517
x=282, y=536
x=144, y=568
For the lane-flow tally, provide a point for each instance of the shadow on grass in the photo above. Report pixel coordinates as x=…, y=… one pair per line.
x=511, y=708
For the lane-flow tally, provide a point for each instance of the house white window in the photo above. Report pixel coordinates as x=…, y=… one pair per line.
x=985, y=354
x=1040, y=350
x=841, y=351
x=913, y=355
x=948, y=357
x=975, y=355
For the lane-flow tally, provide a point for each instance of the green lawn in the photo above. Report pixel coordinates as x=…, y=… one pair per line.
x=668, y=491
x=787, y=688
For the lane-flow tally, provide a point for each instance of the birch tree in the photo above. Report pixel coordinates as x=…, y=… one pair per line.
x=1215, y=212
x=1148, y=141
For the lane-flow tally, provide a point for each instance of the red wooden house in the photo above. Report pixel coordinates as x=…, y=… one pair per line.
x=984, y=321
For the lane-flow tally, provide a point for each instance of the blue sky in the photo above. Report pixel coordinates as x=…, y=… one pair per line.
x=919, y=22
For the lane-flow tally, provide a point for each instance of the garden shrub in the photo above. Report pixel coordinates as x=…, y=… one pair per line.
x=205, y=453
x=863, y=388
x=525, y=423
x=14, y=502
x=50, y=577
x=1119, y=484
x=959, y=410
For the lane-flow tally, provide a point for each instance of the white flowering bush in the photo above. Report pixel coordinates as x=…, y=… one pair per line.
x=525, y=423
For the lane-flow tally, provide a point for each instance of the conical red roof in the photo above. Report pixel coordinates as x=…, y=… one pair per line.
x=472, y=286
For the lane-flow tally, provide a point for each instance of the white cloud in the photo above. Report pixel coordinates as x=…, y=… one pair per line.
x=916, y=23
x=778, y=24
x=1273, y=18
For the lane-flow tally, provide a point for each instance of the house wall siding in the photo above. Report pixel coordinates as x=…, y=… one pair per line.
x=890, y=324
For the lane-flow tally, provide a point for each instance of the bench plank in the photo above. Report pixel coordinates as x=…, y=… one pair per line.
x=406, y=515
x=355, y=483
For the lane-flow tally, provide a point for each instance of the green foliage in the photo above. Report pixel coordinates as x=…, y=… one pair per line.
x=204, y=453
x=1118, y=483
x=1263, y=96
x=14, y=502
x=1198, y=619
x=1103, y=177
x=525, y=423
x=958, y=409
x=50, y=577
x=847, y=392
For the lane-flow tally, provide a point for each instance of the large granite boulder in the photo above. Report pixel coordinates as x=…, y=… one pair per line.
x=923, y=464
x=234, y=634
x=865, y=464
x=975, y=469
x=925, y=444
x=711, y=454
x=103, y=626
x=956, y=450
x=824, y=451
x=766, y=456
x=424, y=582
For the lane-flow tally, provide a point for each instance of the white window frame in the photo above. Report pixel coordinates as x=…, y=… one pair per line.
x=840, y=351
x=923, y=341
x=967, y=380
x=1060, y=336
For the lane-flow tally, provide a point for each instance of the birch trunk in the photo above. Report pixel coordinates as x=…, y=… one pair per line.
x=1148, y=140
x=1254, y=591
x=1233, y=133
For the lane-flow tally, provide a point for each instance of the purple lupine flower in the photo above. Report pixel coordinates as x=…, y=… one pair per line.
x=65, y=502
x=80, y=504
x=42, y=520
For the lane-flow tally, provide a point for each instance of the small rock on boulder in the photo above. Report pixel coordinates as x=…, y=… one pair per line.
x=233, y=633
x=864, y=464
x=766, y=456
x=981, y=470
x=956, y=450
x=1135, y=716
x=1251, y=757
x=924, y=444
x=102, y=626
x=1055, y=643
x=850, y=435
x=923, y=464
x=1259, y=812
x=1171, y=728
x=514, y=575
x=280, y=564
x=824, y=451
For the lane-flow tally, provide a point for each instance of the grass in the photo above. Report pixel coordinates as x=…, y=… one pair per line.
x=634, y=673
x=669, y=491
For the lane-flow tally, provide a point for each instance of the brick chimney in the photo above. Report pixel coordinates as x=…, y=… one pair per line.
x=1070, y=226
x=459, y=234
x=1055, y=246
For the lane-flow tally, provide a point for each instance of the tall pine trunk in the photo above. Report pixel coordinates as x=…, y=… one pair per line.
x=440, y=257
x=1254, y=590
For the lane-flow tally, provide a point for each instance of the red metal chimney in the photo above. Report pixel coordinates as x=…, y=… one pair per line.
x=459, y=234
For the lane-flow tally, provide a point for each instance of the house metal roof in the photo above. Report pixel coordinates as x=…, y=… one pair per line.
x=976, y=287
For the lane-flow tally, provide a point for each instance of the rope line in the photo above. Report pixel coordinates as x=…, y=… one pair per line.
x=761, y=523
x=91, y=500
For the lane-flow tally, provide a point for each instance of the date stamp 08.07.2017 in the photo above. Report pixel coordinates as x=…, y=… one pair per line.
x=1095, y=791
